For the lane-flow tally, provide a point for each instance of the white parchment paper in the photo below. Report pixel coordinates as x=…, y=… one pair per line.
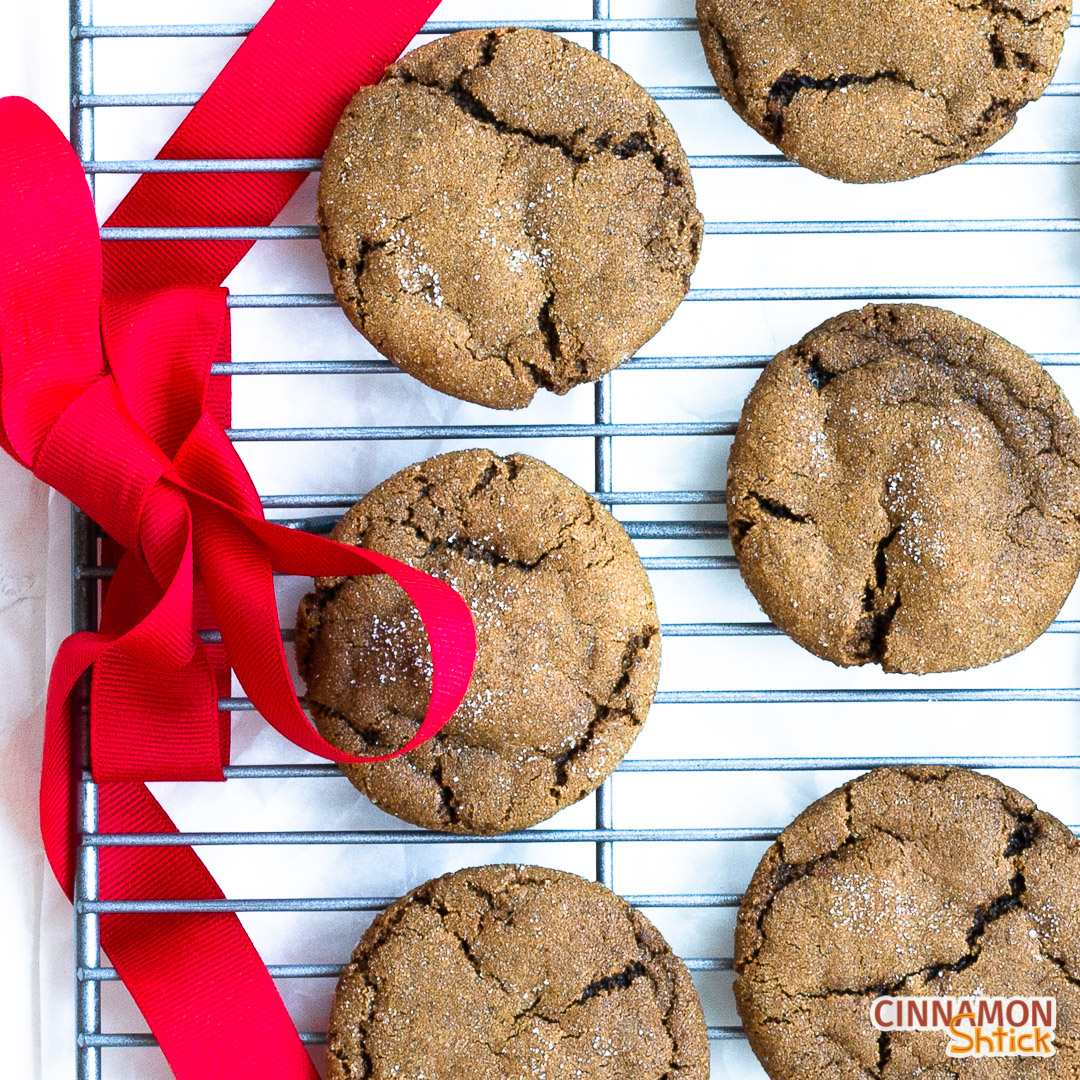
x=36, y=1025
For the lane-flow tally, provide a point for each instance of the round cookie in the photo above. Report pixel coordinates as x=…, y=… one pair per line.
x=907, y=882
x=568, y=644
x=504, y=972
x=904, y=489
x=874, y=90
x=507, y=211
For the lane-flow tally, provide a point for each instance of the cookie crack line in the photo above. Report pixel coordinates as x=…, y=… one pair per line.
x=447, y=800
x=372, y=737
x=637, y=143
x=674, y=1065
x=730, y=61
x=552, y=339
x=786, y=88
x=884, y=1051
x=637, y=644
x=786, y=874
x=779, y=511
x=366, y=247
x=984, y=916
x=996, y=7
x=1060, y=964
x=443, y=912
x=1023, y=836
x=618, y=980
x=739, y=527
x=870, y=639
x=926, y=350
x=998, y=109
x=471, y=549
x=366, y=1064
x=474, y=107
x=789, y=85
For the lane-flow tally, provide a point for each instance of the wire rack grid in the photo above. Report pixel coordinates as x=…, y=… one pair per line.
x=690, y=540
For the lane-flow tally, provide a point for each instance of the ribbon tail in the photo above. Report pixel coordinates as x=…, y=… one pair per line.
x=172, y=961
x=308, y=57
x=220, y=963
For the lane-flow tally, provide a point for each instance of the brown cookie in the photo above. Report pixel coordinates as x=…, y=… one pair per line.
x=568, y=644
x=873, y=90
x=907, y=882
x=507, y=211
x=904, y=489
x=504, y=972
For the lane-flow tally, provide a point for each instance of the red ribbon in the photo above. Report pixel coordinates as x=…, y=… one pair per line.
x=108, y=399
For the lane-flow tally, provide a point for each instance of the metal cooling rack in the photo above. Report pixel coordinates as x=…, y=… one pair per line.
x=604, y=836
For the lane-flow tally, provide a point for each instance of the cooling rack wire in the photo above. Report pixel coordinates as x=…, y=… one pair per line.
x=746, y=729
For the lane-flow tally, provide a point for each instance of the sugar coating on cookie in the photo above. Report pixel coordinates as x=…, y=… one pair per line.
x=568, y=643
x=916, y=881
x=876, y=90
x=506, y=972
x=507, y=211
x=904, y=489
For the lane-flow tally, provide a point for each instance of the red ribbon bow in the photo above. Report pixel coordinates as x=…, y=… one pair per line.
x=108, y=399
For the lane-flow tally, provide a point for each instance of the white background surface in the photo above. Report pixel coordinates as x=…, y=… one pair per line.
x=36, y=937
x=36, y=1025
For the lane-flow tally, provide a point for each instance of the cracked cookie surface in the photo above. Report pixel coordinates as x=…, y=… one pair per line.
x=904, y=489
x=875, y=90
x=503, y=972
x=568, y=644
x=916, y=881
x=507, y=211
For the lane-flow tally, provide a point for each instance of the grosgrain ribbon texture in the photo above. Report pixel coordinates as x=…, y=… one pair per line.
x=105, y=393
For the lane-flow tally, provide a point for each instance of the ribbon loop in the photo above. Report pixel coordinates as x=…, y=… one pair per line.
x=51, y=350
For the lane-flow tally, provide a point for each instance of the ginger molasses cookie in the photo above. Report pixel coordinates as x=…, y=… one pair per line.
x=904, y=489
x=505, y=972
x=873, y=90
x=507, y=211
x=568, y=644
x=920, y=882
